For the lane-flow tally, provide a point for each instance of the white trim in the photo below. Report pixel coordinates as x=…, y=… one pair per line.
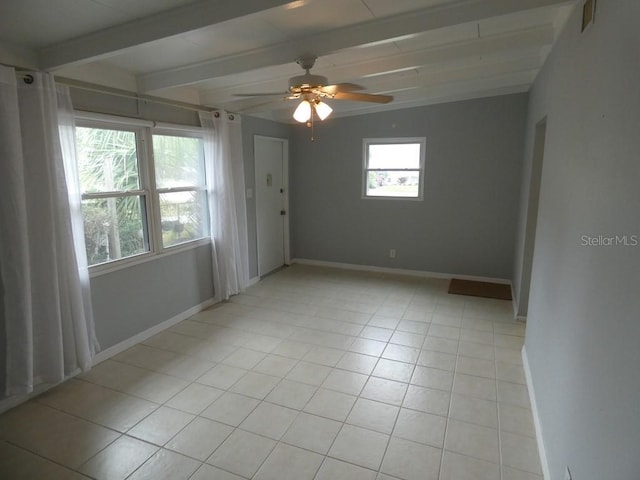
x=398, y=271
x=15, y=400
x=384, y=197
x=112, y=119
x=544, y=464
x=190, y=130
x=422, y=141
x=142, y=336
x=253, y=281
x=287, y=206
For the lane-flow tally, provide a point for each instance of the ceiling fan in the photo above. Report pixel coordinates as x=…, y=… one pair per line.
x=313, y=89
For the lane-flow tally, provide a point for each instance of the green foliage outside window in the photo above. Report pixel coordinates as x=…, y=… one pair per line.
x=114, y=225
x=179, y=164
x=115, y=194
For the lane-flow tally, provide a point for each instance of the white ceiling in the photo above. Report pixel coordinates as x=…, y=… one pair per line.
x=419, y=51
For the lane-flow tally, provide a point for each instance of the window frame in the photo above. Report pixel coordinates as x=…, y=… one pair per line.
x=366, y=142
x=144, y=131
x=176, y=132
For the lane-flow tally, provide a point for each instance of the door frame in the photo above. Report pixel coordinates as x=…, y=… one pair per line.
x=531, y=222
x=285, y=181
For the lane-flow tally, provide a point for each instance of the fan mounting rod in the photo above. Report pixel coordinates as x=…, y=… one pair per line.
x=306, y=61
x=308, y=82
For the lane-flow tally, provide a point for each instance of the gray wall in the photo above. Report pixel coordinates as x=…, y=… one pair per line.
x=583, y=323
x=467, y=222
x=134, y=299
x=127, y=107
x=256, y=126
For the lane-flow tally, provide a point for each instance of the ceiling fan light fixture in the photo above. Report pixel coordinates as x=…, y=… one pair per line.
x=303, y=112
x=322, y=109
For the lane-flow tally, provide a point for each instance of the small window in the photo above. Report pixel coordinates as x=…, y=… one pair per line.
x=114, y=197
x=394, y=168
x=181, y=186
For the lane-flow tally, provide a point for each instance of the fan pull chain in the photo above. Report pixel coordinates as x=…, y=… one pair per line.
x=310, y=124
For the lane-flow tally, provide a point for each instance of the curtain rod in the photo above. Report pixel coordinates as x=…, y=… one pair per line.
x=90, y=87
x=117, y=92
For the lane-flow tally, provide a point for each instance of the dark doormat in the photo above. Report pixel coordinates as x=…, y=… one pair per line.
x=480, y=289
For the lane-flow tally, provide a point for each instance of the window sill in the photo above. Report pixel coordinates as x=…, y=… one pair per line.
x=409, y=199
x=106, y=268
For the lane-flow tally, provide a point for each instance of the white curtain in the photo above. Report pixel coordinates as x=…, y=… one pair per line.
x=67, y=133
x=45, y=311
x=227, y=204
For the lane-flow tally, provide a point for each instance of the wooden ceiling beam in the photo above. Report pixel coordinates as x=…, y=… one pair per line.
x=324, y=43
x=508, y=44
x=110, y=41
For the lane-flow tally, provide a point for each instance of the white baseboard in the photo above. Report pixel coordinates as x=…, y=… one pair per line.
x=397, y=271
x=253, y=281
x=15, y=400
x=544, y=464
x=142, y=336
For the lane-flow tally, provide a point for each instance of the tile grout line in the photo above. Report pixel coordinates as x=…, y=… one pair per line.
x=257, y=332
x=237, y=427
x=92, y=422
x=495, y=366
x=386, y=448
x=298, y=414
x=67, y=467
x=377, y=471
x=446, y=427
x=227, y=390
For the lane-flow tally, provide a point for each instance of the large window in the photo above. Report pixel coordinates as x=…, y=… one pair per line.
x=129, y=211
x=393, y=168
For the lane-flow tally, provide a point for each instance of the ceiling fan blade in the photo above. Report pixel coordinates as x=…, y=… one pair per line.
x=264, y=94
x=340, y=87
x=363, y=97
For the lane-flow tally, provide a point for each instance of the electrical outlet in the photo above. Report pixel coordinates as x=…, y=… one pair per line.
x=567, y=474
x=392, y=253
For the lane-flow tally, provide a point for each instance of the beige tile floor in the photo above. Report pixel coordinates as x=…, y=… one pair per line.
x=313, y=373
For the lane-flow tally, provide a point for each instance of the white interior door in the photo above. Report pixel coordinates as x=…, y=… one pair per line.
x=271, y=202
